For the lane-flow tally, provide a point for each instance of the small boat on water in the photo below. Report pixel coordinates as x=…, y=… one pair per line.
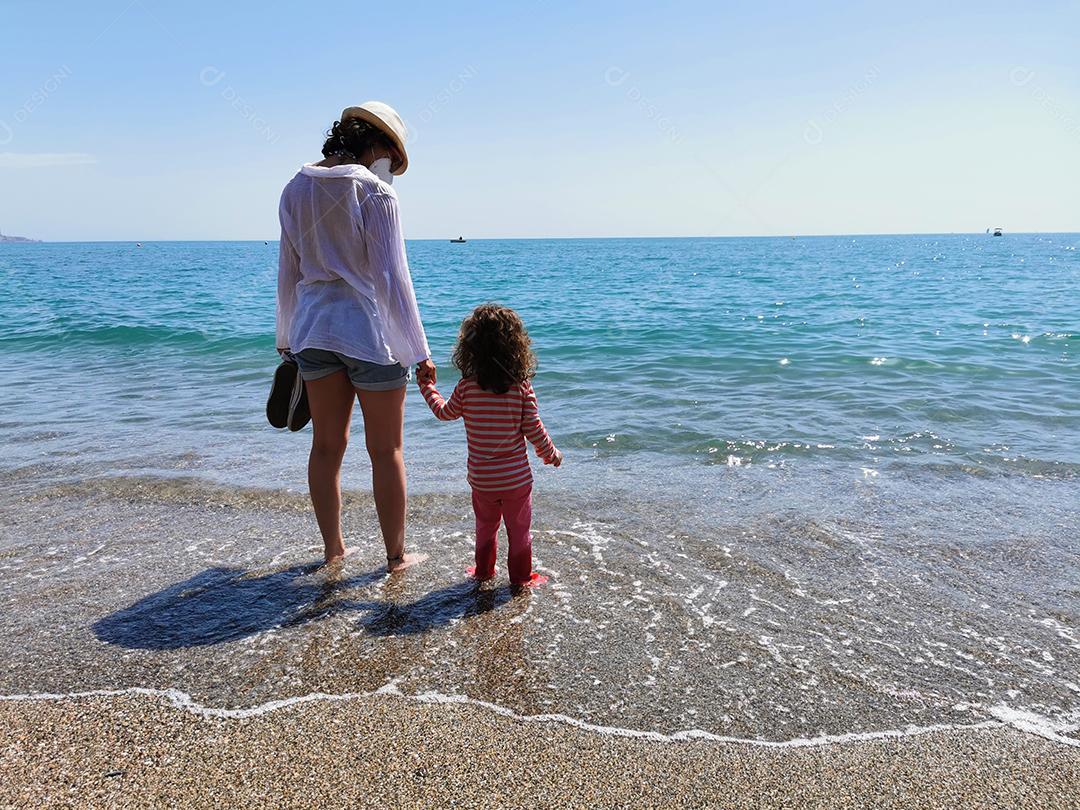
x=459, y=240
x=997, y=232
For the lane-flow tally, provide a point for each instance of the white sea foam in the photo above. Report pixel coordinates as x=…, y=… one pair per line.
x=1003, y=717
x=1036, y=724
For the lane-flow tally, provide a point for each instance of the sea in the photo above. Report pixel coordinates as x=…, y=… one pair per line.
x=814, y=487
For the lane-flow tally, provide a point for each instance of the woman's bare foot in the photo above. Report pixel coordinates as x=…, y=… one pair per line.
x=404, y=561
x=336, y=553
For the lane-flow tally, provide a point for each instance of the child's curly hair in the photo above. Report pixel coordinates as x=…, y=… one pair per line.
x=494, y=347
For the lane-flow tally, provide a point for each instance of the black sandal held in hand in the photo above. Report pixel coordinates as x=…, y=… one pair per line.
x=299, y=411
x=287, y=405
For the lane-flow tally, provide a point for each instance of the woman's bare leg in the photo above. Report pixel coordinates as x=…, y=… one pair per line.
x=384, y=418
x=331, y=402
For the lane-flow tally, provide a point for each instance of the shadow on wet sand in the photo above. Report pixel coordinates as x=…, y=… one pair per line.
x=224, y=604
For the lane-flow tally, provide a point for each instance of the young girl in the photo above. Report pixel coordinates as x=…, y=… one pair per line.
x=496, y=362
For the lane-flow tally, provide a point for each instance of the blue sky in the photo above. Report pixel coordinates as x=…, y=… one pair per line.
x=141, y=119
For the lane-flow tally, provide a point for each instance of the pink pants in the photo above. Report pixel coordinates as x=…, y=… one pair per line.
x=514, y=507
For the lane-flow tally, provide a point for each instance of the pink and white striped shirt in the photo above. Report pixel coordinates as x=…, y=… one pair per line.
x=496, y=426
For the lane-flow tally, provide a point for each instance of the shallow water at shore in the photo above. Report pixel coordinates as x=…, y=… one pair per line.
x=725, y=619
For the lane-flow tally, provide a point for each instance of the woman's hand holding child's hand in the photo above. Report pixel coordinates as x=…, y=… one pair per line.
x=425, y=372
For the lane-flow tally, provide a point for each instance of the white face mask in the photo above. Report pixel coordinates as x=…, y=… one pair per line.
x=381, y=169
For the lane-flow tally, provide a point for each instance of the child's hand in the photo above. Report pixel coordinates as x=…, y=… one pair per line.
x=555, y=460
x=425, y=372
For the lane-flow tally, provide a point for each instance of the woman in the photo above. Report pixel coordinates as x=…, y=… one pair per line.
x=347, y=313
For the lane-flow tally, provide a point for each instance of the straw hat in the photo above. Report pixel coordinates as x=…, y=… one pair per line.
x=387, y=120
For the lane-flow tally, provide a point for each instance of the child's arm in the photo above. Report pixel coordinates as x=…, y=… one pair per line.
x=445, y=409
x=534, y=429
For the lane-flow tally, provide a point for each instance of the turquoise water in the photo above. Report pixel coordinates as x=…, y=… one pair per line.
x=955, y=351
x=812, y=485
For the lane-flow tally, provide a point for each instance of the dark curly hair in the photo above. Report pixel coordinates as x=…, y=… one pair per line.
x=494, y=347
x=353, y=137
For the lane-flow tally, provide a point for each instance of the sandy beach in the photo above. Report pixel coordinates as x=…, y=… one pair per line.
x=236, y=623
x=387, y=751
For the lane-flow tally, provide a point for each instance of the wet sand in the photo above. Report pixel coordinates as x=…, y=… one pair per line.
x=386, y=751
x=208, y=590
x=778, y=627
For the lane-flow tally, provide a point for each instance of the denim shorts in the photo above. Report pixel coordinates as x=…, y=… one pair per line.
x=318, y=363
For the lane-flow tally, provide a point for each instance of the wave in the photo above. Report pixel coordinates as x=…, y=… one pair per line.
x=136, y=337
x=45, y=482
x=916, y=449
x=1001, y=716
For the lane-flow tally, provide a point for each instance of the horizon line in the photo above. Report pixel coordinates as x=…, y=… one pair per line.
x=571, y=238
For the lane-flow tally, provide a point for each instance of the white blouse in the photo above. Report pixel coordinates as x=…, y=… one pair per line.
x=343, y=279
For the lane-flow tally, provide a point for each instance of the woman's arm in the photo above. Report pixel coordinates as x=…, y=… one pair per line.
x=386, y=250
x=288, y=278
x=445, y=409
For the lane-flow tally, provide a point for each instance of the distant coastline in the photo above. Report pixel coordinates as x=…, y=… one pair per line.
x=5, y=238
